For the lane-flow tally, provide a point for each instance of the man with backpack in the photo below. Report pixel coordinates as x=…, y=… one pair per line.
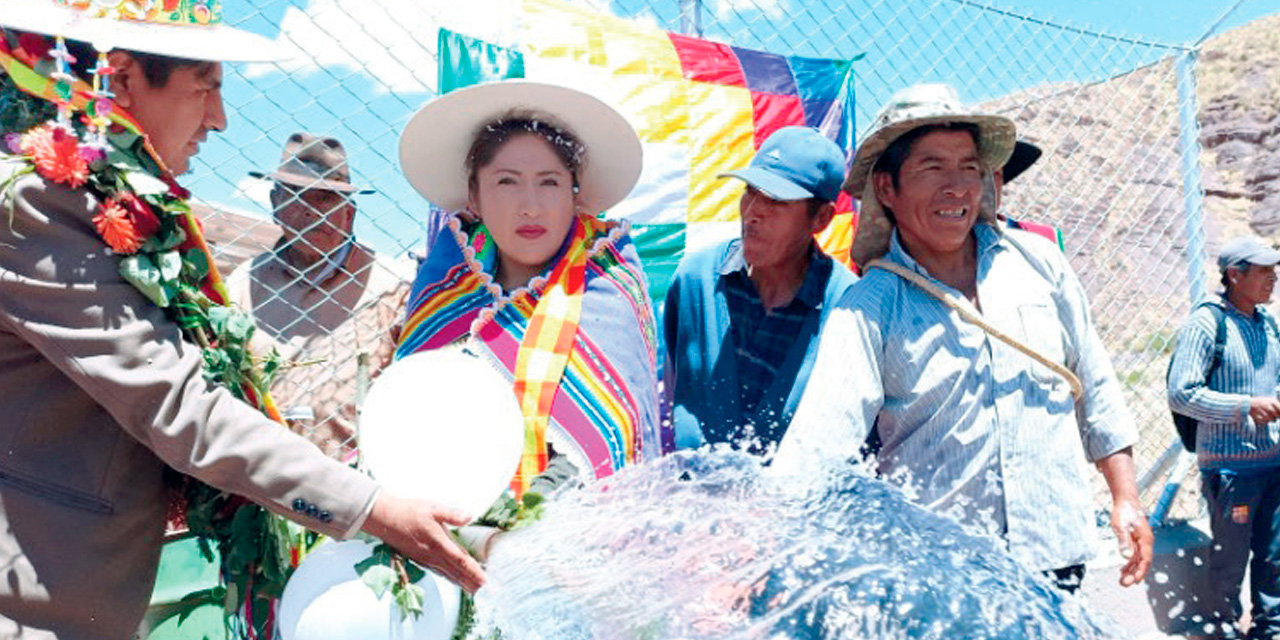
x=1224, y=375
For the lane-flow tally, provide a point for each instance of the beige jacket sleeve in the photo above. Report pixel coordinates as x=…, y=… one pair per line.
x=60, y=292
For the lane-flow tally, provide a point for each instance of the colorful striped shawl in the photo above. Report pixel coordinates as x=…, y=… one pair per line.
x=605, y=405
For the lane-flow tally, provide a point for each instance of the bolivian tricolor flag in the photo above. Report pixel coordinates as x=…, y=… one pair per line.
x=701, y=108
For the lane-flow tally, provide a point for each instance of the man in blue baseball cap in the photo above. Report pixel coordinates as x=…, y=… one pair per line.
x=742, y=318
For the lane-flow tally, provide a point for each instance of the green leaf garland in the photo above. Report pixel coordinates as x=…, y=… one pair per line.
x=258, y=549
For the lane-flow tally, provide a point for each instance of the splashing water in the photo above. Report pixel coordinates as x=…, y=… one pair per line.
x=710, y=545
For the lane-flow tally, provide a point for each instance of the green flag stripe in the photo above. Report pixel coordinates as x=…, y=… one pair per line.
x=466, y=61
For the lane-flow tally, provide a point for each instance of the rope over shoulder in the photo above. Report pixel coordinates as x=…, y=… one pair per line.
x=971, y=315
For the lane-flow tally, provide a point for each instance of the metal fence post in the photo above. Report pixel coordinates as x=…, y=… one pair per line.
x=1193, y=224
x=1192, y=189
x=691, y=17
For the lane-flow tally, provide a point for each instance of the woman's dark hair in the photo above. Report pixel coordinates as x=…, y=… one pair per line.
x=492, y=136
x=895, y=155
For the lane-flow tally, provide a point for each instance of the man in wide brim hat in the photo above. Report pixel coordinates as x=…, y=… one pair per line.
x=1025, y=154
x=145, y=40
x=977, y=427
x=911, y=109
x=101, y=391
x=181, y=29
x=319, y=294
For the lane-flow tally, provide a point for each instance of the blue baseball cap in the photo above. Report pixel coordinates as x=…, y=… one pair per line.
x=795, y=163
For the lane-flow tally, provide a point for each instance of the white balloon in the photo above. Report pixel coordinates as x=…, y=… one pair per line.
x=444, y=426
x=326, y=600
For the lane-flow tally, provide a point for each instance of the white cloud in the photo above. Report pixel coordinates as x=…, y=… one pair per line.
x=392, y=41
x=770, y=8
x=255, y=190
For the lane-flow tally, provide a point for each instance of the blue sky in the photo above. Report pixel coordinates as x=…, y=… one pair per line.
x=366, y=65
x=1171, y=21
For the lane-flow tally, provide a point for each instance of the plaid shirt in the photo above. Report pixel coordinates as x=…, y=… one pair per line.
x=763, y=336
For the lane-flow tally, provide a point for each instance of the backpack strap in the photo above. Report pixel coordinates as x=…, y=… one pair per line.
x=1186, y=426
x=1220, y=336
x=1271, y=324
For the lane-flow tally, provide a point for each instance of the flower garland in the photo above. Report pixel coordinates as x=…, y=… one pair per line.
x=144, y=218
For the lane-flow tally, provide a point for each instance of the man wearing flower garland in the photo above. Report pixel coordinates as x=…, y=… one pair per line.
x=321, y=299
x=105, y=293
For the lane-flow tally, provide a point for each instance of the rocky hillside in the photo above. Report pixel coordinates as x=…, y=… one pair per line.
x=1111, y=176
x=1239, y=95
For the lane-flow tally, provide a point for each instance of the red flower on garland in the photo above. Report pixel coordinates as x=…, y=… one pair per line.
x=32, y=48
x=176, y=190
x=56, y=154
x=125, y=222
x=143, y=218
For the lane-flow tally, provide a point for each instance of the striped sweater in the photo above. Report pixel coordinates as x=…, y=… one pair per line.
x=1228, y=438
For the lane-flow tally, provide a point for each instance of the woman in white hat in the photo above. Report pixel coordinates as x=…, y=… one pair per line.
x=522, y=265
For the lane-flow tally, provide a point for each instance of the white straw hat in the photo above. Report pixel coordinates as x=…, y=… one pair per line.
x=435, y=143
x=190, y=29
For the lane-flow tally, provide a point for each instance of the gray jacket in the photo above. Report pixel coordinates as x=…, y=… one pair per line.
x=98, y=392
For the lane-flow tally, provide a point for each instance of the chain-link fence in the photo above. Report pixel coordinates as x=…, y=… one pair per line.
x=1114, y=116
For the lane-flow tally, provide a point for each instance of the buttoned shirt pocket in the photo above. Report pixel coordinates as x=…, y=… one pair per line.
x=1040, y=332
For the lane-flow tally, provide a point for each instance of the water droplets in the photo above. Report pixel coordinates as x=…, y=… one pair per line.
x=705, y=545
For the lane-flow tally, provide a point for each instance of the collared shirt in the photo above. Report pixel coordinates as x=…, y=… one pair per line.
x=1227, y=438
x=318, y=273
x=701, y=374
x=970, y=426
x=323, y=326
x=764, y=336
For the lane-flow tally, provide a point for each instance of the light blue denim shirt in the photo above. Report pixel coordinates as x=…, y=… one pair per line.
x=970, y=426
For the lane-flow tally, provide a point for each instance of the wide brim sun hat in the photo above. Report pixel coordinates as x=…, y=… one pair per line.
x=435, y=143
x=309, y=161
x=193, y=31
x=912, y=108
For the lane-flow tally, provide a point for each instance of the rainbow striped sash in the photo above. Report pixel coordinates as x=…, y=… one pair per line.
x=598, y=390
